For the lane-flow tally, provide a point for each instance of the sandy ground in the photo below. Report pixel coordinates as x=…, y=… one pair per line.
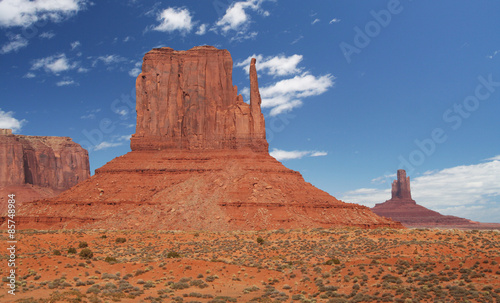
x=319, y=265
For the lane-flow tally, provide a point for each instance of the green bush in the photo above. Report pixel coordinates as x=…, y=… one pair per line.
x=71, y=250
x=57, y=252
x=86, y=253
x=110, y=259
x=83, y=244
x=260, y=240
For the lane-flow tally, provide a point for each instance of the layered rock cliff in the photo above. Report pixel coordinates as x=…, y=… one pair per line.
x=186, y=100
x=199, y=161
x=401, y=207
x=39, y=167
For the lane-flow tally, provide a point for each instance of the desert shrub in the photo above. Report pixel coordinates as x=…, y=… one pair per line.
x=223, y=299
x=332, y=261
x=173, y=254
x=391, y=279
x=250, y=289
x=86, y=253
x=56, y=252
x=260, y=240
x=179, y=285
x=149, y=284
x=211, y=278
x=120, y=240
x=139, y=272
x=71, y=250
x=198, y=283
x=94, y=289
x=110, y=259
x=82, y=244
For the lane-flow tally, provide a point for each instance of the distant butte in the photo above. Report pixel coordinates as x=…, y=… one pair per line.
x=199, y=161
x=37, y=167
x=401, y=207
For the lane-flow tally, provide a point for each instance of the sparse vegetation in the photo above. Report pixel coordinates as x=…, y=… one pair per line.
x=320, y=265
x=120, y=240
x=173, y=254
x=86, y=253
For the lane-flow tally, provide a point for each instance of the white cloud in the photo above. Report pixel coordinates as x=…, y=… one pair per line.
x=75, y=44
x=334, y=20
x=279, y=65
x=83, y=70
x=496, y=158
x=315, y=21
x=236, y=17
x=451, y=190
x=55, y=64
x=110, y=59
x=16, y=43
x=29, y=75
x=286, y=107
x=26, y=12
x=126, y=39
x=494, y=54
x=106, y=145
x=122, y=112
x=47, y=35
x=282, y=155
x=174, y=19
x=7, y=120
x=383, y=179
x=125, y=138
x=89, y=116
x=66, y=83
x=134, y=72
x=319, y=154
x=297, y=40
x=201, y=30
x=285, y=95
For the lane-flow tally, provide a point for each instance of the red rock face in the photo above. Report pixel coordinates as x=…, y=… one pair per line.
x=39, y=167
x=402, y=208
x=186, y=100
x=199, y=161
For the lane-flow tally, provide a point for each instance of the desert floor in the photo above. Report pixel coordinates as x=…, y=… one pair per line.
x=319, y=265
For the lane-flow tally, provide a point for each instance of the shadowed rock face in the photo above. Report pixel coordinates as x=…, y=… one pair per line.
x=39, y=167
x=401, y=187
x=401, y=207
x=199, y=161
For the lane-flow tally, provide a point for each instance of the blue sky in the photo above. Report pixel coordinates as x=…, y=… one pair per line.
x=352, y=90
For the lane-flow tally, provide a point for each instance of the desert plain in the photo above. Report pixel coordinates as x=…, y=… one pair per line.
x=301, y=265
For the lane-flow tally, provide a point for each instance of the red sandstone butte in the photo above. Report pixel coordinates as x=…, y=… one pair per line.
x=33, y=167
x=199, y=161
x=401, y=207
